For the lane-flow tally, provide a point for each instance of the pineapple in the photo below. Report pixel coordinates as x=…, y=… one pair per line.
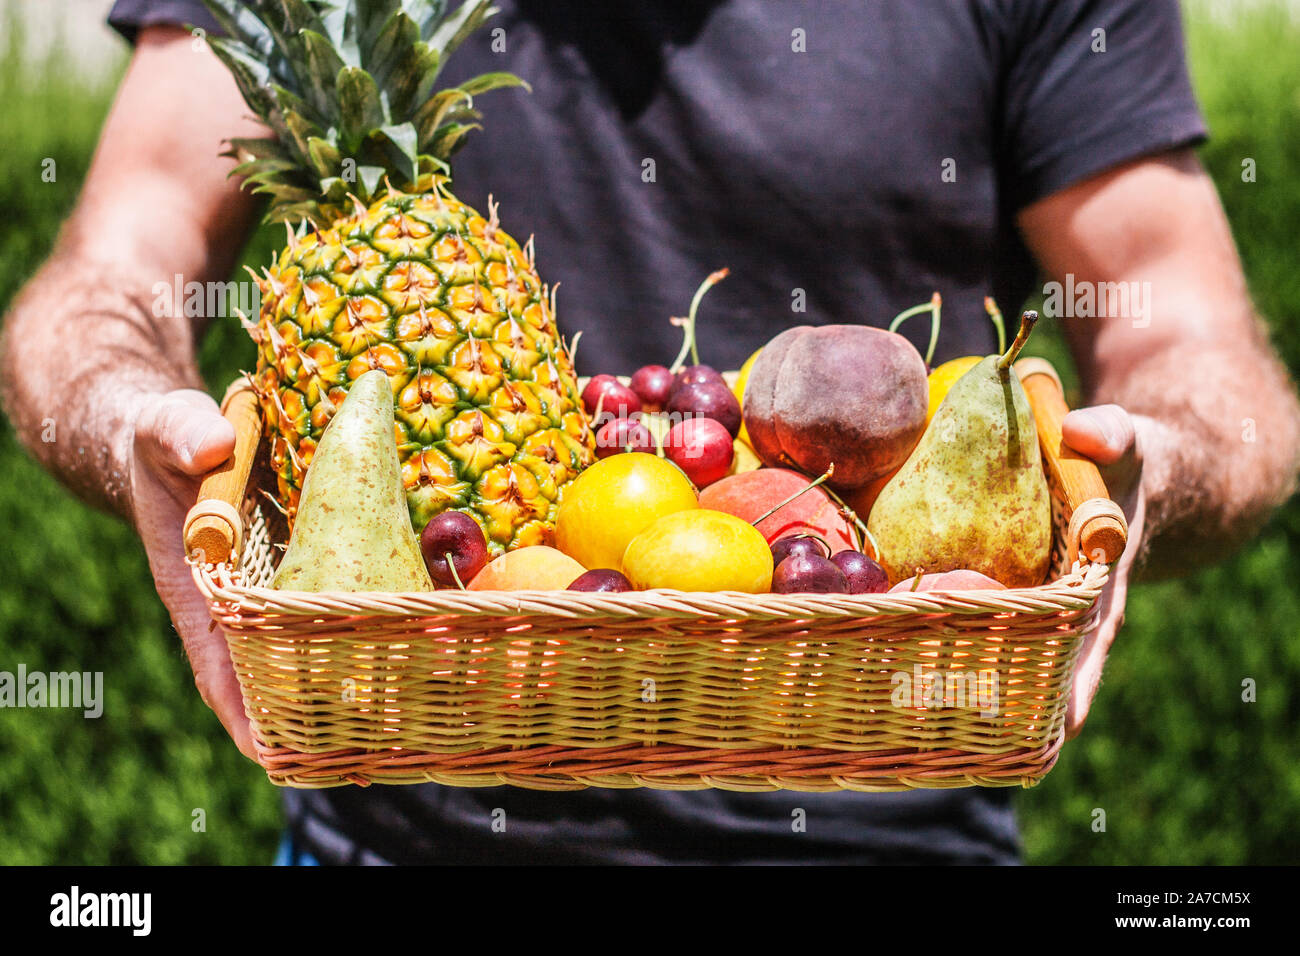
x=388, y=270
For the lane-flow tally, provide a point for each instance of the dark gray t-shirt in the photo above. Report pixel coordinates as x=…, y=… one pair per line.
x=853, y=157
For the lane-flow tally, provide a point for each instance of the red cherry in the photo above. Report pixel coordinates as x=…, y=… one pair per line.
x=864, y=575
x=652, y=384
x=808, y=574
x=614, y=399
x=623, y=434
x=695, y=375
x=793, y=544
x=454, y=534
x=702, y=448
x=707, y=400
x=601, y=580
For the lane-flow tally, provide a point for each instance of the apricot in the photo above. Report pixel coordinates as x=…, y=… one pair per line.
x=749, y=494
x=535, y=568
x=851, y=395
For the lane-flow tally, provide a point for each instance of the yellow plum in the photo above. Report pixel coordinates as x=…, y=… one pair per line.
x=613, y=501
x=944, y=377
x=700, y=550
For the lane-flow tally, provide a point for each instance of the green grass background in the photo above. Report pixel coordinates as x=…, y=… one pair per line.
x=1185, y=771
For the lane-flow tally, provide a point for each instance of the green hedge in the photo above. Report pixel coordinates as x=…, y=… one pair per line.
x=1186, y=772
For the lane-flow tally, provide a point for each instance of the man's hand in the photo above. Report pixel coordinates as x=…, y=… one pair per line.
x=1109, y=436
x=178, y=438
x=122, y=397
x=1192, y=377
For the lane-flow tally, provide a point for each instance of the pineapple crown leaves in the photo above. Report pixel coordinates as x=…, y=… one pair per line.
x=347, y=87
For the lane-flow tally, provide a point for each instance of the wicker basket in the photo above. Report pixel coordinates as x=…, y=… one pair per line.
x=564, y=690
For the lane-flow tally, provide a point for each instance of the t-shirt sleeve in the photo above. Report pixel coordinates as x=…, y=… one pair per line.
x=1088, y=85
x=128, y=17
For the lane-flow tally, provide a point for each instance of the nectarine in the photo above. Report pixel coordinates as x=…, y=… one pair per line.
x=750, y=494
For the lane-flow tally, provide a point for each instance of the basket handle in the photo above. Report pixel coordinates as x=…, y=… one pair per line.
x=1098, y=531
x=214, y=529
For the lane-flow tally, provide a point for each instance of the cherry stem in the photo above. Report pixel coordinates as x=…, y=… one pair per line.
x=1028, y=319
x=907, y=314
x=933, y=307
x=863, y=532
x=814, y=535
x=995, y=314
x=804, y=490
x=916, y=582
x=689, y=344
x=657, y=438
x=451, y=566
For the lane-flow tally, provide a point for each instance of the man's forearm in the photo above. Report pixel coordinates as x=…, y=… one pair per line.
x=1220, y=432
x=82, y=347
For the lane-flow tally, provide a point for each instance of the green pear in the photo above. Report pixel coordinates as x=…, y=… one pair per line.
x=973, y=493
x=353, y=530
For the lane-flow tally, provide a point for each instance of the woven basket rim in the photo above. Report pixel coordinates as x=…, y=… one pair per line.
x=1074, y=591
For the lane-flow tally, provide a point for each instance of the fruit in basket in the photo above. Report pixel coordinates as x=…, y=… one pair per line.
x=613, y=501
x=611, y=397
x=961, y=579
x=743, y=458
x=795, y=544
x=738, y=389
x=534, y=568
x=652, y=383
x=943, y=378
x=973, y=493
x=809, y=574
x=388, y=270
x=864, y=575
x=454, y=548
x=742, y=377
x=706, y=400
x=354, y=531
x=623, y=434
x=603, y=580
x=692, y=375
x=750, y=495
x=702, y=448
x=849, y=395
x=699, y=550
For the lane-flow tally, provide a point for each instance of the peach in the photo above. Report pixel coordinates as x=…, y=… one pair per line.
x=960, y=580
x=534, y=568
x=851, y=395
x=751, y=493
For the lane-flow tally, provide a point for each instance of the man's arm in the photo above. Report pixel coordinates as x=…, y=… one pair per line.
x=1217, y=420
x=82, y=347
